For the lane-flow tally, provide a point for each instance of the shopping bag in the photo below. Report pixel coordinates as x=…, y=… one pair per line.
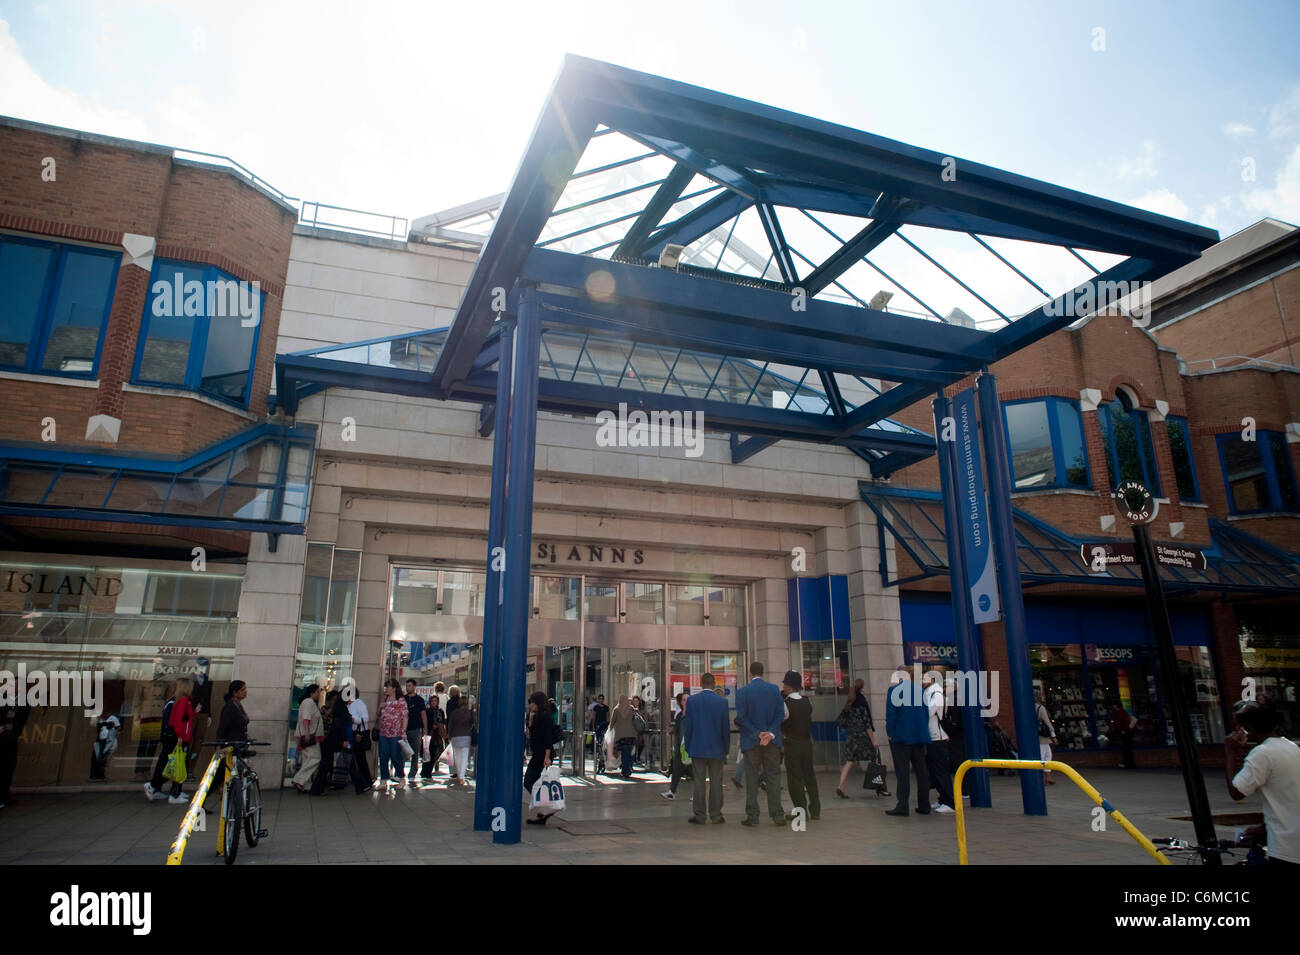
x=342, y=774
x=876, y=777
x=175, y=768
x=447, y=755
x=426, y=756
x=405, y=746
x=548, y=792
x=685, y=756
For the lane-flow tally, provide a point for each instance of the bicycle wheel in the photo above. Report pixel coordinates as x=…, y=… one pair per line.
x=234, y=812
x=253, y=814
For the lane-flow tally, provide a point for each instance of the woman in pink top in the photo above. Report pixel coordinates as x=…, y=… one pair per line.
x=393, y=716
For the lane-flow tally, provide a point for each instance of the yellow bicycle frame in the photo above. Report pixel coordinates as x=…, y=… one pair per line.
x=1043, y=765
x=177, y=850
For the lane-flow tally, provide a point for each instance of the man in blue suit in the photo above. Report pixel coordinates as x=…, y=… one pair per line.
x=760, y=712
x=707, y=736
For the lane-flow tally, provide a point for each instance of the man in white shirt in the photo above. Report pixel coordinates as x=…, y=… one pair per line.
x=1273, y=768
x=936, y=754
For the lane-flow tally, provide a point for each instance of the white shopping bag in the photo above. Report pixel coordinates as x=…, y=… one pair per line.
x=548, y=792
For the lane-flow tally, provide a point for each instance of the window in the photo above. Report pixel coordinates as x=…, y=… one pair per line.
x=1258, y=473
x=1129, y=454
x=1180, y=447
x=192, y=595
x=199, y=331
x=54, y=305
x=1045, y=442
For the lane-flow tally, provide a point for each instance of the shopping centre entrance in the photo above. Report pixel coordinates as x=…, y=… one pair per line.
x=588, y=636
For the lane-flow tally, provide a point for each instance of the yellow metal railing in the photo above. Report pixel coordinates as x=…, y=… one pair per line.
x=196, y=808
x=1043, y=765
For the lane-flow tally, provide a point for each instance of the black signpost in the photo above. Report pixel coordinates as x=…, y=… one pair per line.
x=1139, y=508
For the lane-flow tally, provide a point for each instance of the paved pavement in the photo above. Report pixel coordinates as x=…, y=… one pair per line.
x=613, y=822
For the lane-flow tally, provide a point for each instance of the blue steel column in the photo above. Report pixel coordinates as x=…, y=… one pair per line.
x=1002, y=526
x=508, y=747
x=490, y=666
x=969, y=657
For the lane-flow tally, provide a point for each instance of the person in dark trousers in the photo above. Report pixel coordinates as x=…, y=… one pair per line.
x=937, y=755
x=177, y=727
x=417, y=726
x=541, y=732
x=12, y=721
x=339, y=738
x=436, y=720
x=232, y=725
x=707, y=732
x=907, y=723
x=796, y=731
x=623, y=725
x=759, y=711
x=1121, y=731
x=675, y=773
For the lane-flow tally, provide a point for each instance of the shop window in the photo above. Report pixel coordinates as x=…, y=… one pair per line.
x=557, y=598
x=54, y=306
x=1180, y=447
x=199, y=331
x=1257, y=474
x=1129, y=452
x=1270, y=656
x=191, y=595
x=1045, y=441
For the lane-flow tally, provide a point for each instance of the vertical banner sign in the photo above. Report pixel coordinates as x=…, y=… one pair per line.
x=972, y=510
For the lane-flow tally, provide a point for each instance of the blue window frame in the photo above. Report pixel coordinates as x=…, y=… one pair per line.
x=1045, y=444
x=1257, y=474
x=1130, y=455
x=1180, y=448
x=199, y=332
x=54, y=305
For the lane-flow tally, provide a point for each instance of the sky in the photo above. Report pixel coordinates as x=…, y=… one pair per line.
x=1189, y=109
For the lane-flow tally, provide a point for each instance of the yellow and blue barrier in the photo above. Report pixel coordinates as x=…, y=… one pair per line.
x=191, y=819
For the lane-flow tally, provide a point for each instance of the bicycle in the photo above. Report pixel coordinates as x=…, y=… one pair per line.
x=241, y=799
x=1189, y=853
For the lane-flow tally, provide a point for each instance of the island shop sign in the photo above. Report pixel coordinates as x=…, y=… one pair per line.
x=17, y=582
x=607, y=555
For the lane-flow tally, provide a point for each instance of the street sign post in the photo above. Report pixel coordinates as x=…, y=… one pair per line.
x=1139, y=508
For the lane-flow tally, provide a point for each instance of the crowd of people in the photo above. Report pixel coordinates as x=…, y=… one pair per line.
x=775, y=724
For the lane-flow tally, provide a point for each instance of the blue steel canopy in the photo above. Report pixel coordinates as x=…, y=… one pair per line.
x=592, y=225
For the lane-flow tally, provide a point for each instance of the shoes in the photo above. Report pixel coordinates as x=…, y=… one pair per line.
x=177, y=800
x=895, y=812
x=942, y=808
x=815, y=818
x=300, y=788
x=1051, y=781
x=669, y=795
x=368, y=789
x=150, y=793
x=840, y=792
x=719, y=821
x=749, y=822
x=693, y=820
x=539, y=821
x=779, y=822
x=736, y=782
x=922, y=812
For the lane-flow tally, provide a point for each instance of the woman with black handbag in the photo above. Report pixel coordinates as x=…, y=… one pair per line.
x=860, y=744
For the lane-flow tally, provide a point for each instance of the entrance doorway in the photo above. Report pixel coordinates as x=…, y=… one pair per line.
x=646, y=639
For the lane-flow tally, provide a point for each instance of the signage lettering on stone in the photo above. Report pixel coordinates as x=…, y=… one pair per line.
x=608, y=554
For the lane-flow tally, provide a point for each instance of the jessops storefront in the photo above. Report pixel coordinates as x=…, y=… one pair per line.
x=112, y=641
x=602, y=633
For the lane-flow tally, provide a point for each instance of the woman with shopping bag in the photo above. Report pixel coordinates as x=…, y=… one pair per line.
x=175, y=733
x=541, y=737
x=393, y=717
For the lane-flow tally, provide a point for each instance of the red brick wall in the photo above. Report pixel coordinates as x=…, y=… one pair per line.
x=196, y=214
x=1249, y=323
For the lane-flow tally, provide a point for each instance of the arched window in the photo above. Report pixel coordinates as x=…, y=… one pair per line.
x=1130, y=455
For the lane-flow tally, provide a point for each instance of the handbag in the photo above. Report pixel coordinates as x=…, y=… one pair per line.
x=361, y=739
x=175, y=768
x=638, y=722
x=842, y=721
x=877, y=776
